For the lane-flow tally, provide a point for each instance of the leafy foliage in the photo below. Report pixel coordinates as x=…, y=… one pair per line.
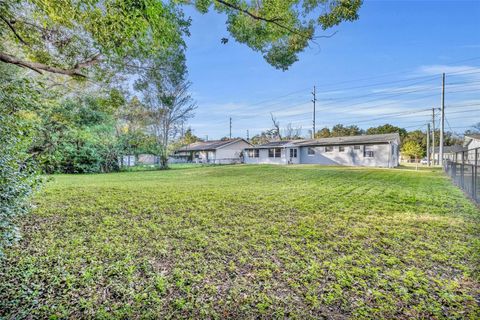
x=387, y=128
x=166, y=98
x=17, y=169
x=281, y=29
x=413, y=149
x=77, y=136
x=74, y=37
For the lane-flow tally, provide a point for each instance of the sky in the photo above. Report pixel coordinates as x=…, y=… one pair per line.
x=383, y=68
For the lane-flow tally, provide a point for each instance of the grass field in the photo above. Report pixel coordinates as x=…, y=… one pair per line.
x=247, y=242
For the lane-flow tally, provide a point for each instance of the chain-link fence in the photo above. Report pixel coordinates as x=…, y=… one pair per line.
x=464, y=171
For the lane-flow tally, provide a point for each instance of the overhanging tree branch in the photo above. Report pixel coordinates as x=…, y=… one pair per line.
x=275, y=21
x=39, y=67
x=10, y=25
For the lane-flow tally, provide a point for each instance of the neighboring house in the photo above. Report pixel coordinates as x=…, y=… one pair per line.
x=380, y=150
x=472, y=141
x=148, y=159
x=449, y=152
x=276, y=152
x=216, y=151
x=454, y=153
x=472, y=144
x=127, y=161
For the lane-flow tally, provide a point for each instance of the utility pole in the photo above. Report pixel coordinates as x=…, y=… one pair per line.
x=230, y=127
x=314, y=93
x=428, y=144
x=442, y=123
x=248, y=136
x=206, y=137
x=433, y=135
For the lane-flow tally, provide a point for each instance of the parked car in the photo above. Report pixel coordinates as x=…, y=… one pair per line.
x=424, y=161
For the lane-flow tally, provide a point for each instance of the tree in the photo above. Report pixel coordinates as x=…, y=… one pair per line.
x=292, y=133
x=276, y=128
x=18, y=178
x=69, y=37
x=279, y=30
x=263, y=137
x=413, y=149
x=72, y=37
x=388, y=128
x=339, y=130
x=475, y=129
x=419, y=138
x=165, y=95
x=189, y=137
x=77, y=135
x=323, y=133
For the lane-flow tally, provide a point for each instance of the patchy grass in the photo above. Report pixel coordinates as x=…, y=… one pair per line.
x=247, y=242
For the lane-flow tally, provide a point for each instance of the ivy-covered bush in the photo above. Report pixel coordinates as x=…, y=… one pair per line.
x=17, y=169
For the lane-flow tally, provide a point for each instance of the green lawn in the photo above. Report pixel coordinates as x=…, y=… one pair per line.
x=247, y=242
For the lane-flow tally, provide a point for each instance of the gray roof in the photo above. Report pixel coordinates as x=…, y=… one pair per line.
x=364, y=139
x=209, y=145
x=450, y=149
x=473, y=136
x=273, y=144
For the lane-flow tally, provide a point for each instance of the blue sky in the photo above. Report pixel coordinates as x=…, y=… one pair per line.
x=388, y=62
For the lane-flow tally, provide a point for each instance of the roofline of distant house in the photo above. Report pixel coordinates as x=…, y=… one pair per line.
x=213, y=149
x=318, y=142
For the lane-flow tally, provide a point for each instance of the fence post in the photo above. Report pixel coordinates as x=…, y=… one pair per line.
x=462, y=170
x=474, y=175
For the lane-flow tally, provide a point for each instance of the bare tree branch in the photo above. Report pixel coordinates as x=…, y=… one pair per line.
x=276, y=126
x=10, y=25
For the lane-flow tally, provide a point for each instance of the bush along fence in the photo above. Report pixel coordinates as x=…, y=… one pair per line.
x=463, y=168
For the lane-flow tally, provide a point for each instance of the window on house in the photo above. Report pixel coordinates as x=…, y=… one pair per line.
x=311, y=151
x=328, y=148
x=274, y=153
x=278, y=152
x=341, y=149
x=293, y=153
x=356, y=147
x=368, y=152
x=253, y=153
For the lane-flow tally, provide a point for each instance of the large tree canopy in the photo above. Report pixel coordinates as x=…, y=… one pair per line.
x=280, y=29
x=70, y=36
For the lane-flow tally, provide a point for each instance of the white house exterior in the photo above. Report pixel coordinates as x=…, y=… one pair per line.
x=381, y=150
x=275, y=152
x=214, y=151
x=472, y=141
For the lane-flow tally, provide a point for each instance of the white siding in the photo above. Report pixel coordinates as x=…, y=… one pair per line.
x=231, y=153
x=265, y=159
x=385, y=155
x=475, y=143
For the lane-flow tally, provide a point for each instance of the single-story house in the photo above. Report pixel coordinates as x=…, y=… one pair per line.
x=472, y=141
x=214, y=151
x=449, y=152
x=472, y=144
x=379, y=150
